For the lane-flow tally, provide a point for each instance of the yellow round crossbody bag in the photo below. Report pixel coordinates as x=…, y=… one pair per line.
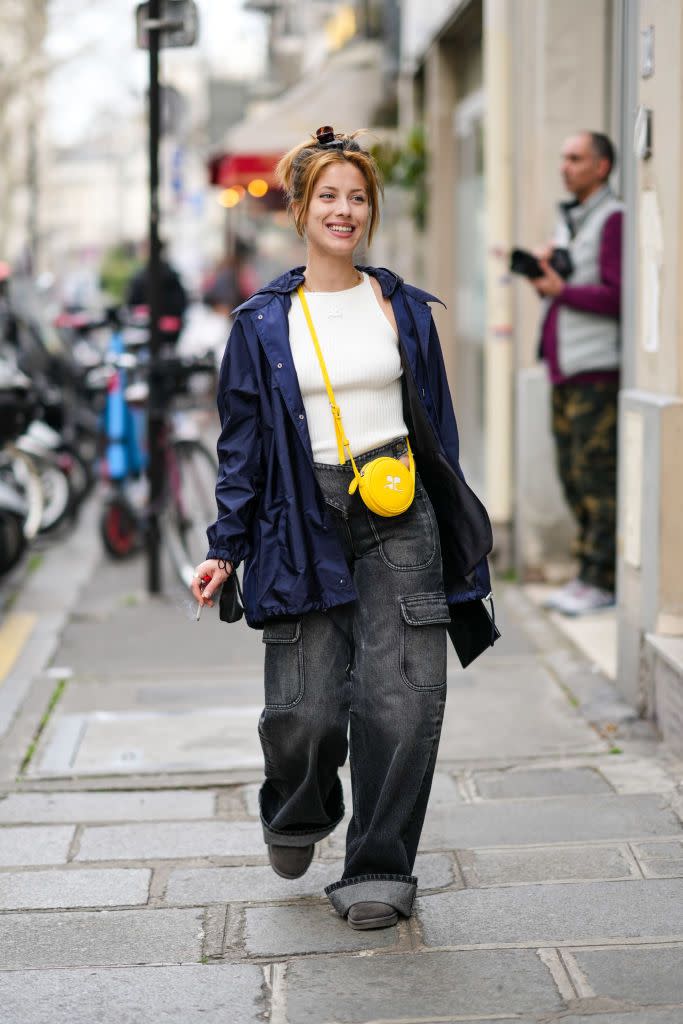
x=386, y=485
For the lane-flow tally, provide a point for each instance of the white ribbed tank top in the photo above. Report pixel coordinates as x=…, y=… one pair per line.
x=360, y=348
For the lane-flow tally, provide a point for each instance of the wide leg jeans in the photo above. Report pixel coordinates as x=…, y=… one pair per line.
x=366, y=678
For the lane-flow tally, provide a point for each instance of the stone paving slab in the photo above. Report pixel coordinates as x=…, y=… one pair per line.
x=111, y=742
x=643, y=775
x=255, y=884
x=582, y=912
x=170, y=804
x=175, y=690
x=172, y=840
x=316, y=928
x=652, y=1015
x=642, y=976
x=100, y=938
x=55, y=889
x=26, y=847
x=212, y=994
x=529, y=716
x=545, y=864
x=540, y=782
x=418, y=987
x=563, y=819
x=444, y=790
x=660, y=860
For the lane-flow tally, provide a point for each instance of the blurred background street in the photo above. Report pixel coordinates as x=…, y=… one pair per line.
x=133, y=878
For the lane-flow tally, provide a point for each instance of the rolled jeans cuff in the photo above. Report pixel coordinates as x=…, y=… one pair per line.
x=296, y=837
x=396, y=890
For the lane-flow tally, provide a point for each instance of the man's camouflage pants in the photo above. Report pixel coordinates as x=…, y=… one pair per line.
x=585, y=429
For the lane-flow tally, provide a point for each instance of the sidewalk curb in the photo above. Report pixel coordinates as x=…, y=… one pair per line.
x=51, y=593
x=596, y=697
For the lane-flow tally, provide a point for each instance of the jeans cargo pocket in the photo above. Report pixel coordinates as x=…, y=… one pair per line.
x=284, y=663
x=424, y=618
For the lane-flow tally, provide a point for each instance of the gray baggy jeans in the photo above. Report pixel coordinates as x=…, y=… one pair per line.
x=368, y=678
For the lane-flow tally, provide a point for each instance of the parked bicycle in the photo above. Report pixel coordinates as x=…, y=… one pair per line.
x=190, y=466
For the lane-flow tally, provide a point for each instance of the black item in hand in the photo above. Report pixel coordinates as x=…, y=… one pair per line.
x=526, y=264
x=561, y=262
x=230, y=603
x=472, y=630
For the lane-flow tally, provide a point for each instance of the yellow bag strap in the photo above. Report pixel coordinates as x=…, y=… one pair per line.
x=340, y=434
x=342, y=439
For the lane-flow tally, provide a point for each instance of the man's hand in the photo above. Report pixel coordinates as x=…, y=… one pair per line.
x=551, y=284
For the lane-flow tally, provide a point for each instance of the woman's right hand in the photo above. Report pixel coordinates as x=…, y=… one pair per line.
x=203, y=594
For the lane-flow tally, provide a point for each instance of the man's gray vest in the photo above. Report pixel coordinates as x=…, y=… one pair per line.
x=586, y=341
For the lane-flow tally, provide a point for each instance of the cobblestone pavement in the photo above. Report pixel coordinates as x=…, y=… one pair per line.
x=134, y=884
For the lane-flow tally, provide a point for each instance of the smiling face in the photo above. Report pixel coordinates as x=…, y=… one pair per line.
x=338, y=211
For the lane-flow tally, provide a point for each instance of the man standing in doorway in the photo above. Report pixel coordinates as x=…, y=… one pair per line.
x=580, y=343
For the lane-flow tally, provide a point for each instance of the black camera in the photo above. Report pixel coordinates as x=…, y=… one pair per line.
x=526, y=264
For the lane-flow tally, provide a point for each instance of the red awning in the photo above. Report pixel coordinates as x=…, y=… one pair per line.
x=240, y=168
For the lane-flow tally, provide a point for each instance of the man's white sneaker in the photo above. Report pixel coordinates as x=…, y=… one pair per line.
x=587, y=600
x=557, y=598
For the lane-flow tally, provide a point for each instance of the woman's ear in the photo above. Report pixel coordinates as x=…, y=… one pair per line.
x=296, y=209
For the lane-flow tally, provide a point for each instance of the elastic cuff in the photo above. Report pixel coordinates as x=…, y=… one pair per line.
x=226, y=556
x=296, y=837
x=396, y=890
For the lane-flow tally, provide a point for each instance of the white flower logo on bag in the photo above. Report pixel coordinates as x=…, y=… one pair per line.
x=393, y=483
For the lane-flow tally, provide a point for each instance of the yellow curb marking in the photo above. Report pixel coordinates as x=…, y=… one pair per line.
x=14, y=633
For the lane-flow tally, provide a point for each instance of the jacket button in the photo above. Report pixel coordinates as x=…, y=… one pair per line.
x=343, y=579
x=260, y=316
x=279, y=366
x=301, y=416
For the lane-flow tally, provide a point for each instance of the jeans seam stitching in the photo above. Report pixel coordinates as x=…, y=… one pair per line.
x=373, y=877
x=302, y=676
x=401, y=665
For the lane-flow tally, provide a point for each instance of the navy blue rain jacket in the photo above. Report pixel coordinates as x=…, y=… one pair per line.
x=271, y=513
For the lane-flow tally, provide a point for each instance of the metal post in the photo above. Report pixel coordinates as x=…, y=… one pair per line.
x=156, y=418
x=499, y=372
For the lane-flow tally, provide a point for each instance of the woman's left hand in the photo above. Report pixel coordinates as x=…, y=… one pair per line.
x=202, y=593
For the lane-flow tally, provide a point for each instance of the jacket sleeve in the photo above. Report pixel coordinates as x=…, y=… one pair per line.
x=441, y=394
x=239, y=451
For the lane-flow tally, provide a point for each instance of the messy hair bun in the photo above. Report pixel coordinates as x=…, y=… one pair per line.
x=298, y=171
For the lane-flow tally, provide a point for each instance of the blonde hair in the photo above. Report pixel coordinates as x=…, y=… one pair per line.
x=298, y=171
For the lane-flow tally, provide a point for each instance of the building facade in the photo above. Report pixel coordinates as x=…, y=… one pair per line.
x=498, y=85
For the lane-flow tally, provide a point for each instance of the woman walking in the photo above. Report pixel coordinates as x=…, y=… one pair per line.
x=329, y=369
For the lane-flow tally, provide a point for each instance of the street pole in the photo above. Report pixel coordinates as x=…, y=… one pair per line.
x=156, y=419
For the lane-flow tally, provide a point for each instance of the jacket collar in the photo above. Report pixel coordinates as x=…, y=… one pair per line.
x=290, y=281
x=575, y=213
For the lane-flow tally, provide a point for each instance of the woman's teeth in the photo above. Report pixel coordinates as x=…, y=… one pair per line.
x=340, y=230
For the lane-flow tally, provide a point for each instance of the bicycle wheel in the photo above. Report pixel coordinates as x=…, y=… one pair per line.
x=120, y=527
x=191, y=505
x=23, y=472
x=12, y=540
x=58, y=497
